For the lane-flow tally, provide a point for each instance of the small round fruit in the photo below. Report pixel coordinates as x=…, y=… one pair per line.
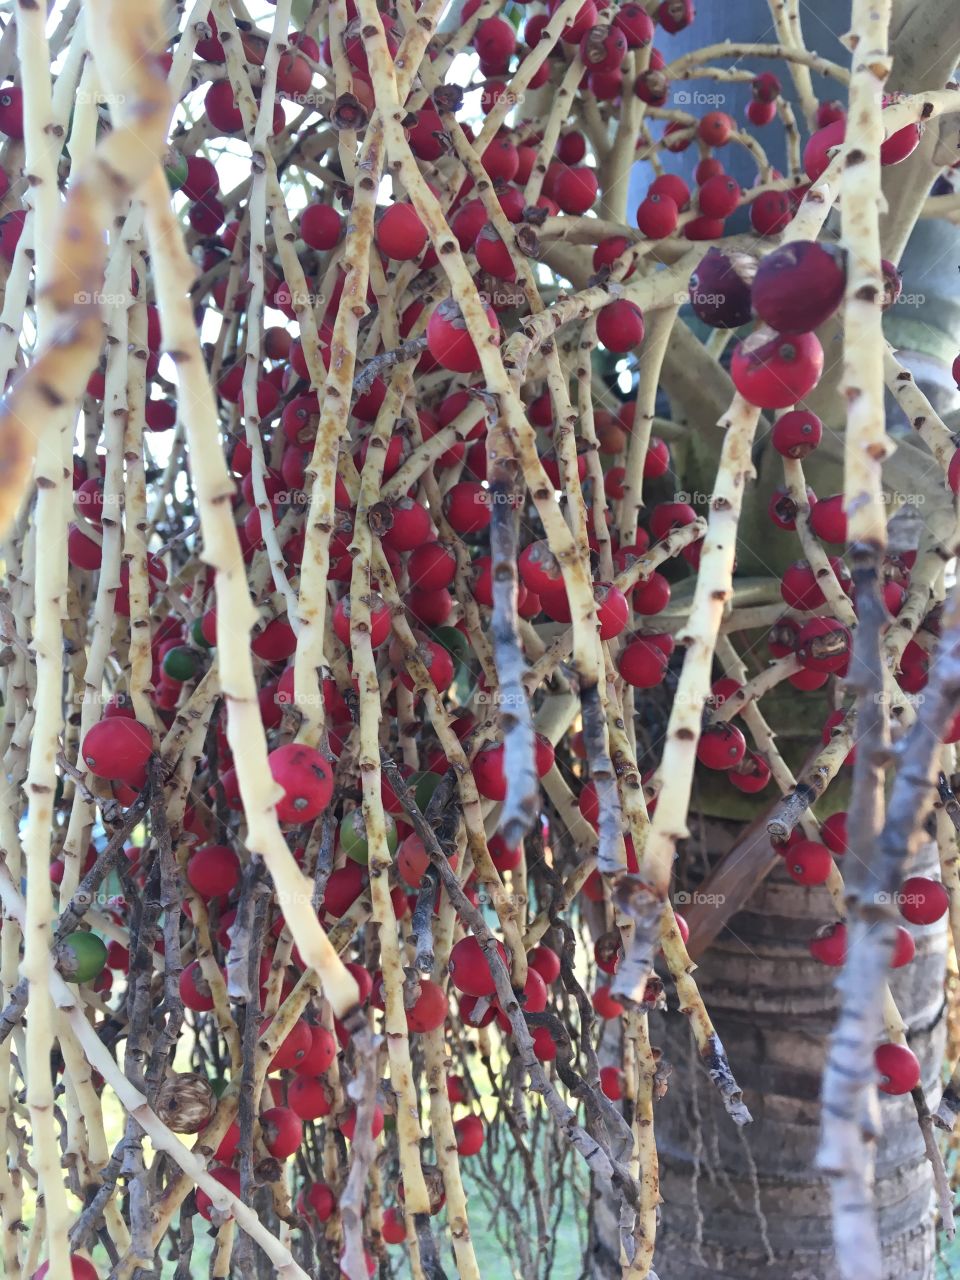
x=799, y=286
x=620, y=326
x=829, y=944
x=229, y=1178
x=80, y=1269
x=319, y=1199
x=469, y=1133
x=922, y=900
x=213, y=871
x=117, y=749
x=899, y=1068
x=719, y=289
x=904, y=948
x=310, y=1098
x=449, y=341
x=721, y=746
x=657, y=217
x=81, y=956
x=306, y=778
x=796, y=433
x=282, y=1131
x=353, y=836
x=808, y=862
x=773, y=372
x=400, y=233
x=469, y=969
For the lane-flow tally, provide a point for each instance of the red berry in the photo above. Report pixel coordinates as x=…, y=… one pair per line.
x=761, y=113
x=322, y=1051
x=469, y=1133
x=922, y=900
x=824, y=644
x=117, y=749
x=469, y=969
x=539, y=569
x=808, y=862
x=720, y=290
x=715, y=128
x=319, y=1198
x=348, y=1126
x=393, y=1230
x=821, y=147
x=642, y=664
x=605, y=1005
x=833, y=832
x=899, y=1068
x=379, y=620
x=213, y=871
x=766, y=87
x=575, y=190
x=306, y=778
x=495, y=40
x=488, y=773
x=770, y=212
x=229, y=1178
x=797, y=433
x=282, y=1131
x=721, y=746
x=799, y=286
x=751, y=775
x=603, y=48
x=636, y=24
x=613, y=611
x=294, y=1048
x=11, y=111
x=400, y=233
x=773, y=372
x=719, y=196
x=546, y=962
x=448, y=340
x=80, y=1269
x=310, y=1098
x=221, y=108
x=620, y=325
x=829, y=944
x=657, y=216
x=467, y=507
x=321, y=226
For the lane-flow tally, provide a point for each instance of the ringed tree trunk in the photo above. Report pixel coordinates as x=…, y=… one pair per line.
x=748, y=1203
x=740, y=1204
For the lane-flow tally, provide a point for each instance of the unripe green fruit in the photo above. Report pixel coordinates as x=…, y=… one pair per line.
x=197, y=636
x=81, y=956
x=424, y=785
x=353, y=836
x=175, y=167
x=454, y=641
x=180, y=664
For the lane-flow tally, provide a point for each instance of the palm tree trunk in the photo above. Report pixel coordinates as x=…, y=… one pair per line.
x=744, y=1204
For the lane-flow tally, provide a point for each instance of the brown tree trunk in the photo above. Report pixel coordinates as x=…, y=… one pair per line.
x=743, y=1204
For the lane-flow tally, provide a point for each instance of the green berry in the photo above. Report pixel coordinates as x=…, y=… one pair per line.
x=197, y=636
x=424, y=785
x=180, y=664
x=353, y=836
x=175, y=167
x=81, y=956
